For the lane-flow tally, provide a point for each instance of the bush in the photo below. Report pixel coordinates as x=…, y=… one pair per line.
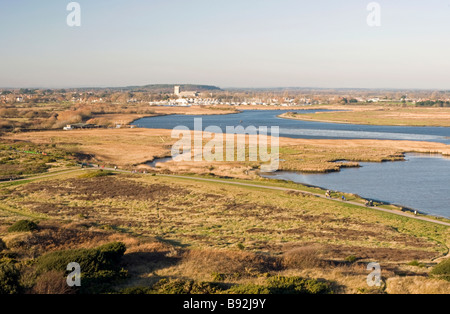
x=284, y=285
x=23, y=226
x=351, y=259
x=442, y=270
x=296, y=285
x=180, y=286
x=99, y=266
x=52, y=282
x=96, y=174
x=416, y=263
x=2, y=245
x=274, y=285
x=111, y=253
x=219, y=276
x=136, y=290
x=249, y=289
x=9, y=279
x=91, y=261
x=88, y=260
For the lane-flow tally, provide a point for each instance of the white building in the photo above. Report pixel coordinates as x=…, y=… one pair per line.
x=182, y=102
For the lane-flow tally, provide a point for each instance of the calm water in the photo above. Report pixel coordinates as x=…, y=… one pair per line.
x=302, y=129
x=421, y=182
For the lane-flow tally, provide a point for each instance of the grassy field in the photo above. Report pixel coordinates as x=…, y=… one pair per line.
x=206, y=237
x=177, y=229
x=21, y=159
x=376, y=115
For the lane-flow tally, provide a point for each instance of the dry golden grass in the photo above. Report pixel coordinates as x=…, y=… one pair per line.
x=148, y=260
x=131, y=147
x=305, y=257
x=214, y=215
x=321, y=155
x=122, y=147
x=417, y=285
x=376, y=115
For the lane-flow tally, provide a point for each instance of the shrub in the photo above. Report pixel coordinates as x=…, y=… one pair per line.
x=91, y=261
x=416, y=263
x=96, y=174
x=102, y=281
x=180, y=286
x=351, y=258
x=296, y=285
x=88, y=259
x=442, y=270
x=248, y=289
x=219, y=276
x=136, y=290
x=2, y=245
x=111, y=253
x=52, y=282
x=99, y=266
x=283, y=285
x=23, y=226
x=9, y=279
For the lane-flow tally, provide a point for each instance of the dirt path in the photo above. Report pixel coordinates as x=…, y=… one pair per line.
x=43, y=176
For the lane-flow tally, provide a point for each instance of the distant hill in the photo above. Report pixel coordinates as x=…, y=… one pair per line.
x=168, y=88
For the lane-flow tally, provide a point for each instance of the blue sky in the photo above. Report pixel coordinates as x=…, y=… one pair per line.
x=229, y=43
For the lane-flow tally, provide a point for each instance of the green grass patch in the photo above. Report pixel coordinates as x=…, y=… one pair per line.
x=416, y=264
x=442, y=270
x=96, y=174
x=23, y=226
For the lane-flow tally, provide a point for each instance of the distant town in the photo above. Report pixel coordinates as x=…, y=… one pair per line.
x=27, y=109
x=202, y=95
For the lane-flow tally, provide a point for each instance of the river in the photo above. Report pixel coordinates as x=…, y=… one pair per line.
x=421, y=182
x=302, y=129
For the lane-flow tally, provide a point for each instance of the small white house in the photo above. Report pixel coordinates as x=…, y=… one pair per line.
x=182, y=102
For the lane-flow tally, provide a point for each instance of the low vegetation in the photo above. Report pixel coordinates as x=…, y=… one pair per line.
x=272, y=285
x=382, y=116
x=139, y=234
x=96, y=174
x=23, y=226
x=442, y=270
x=99, y=265
x=131, y=148
x=18, y=159
x=151, y=234
x=9, y=279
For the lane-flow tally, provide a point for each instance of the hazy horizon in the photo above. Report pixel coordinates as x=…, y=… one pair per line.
x=230, y=44
x=230, y=87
